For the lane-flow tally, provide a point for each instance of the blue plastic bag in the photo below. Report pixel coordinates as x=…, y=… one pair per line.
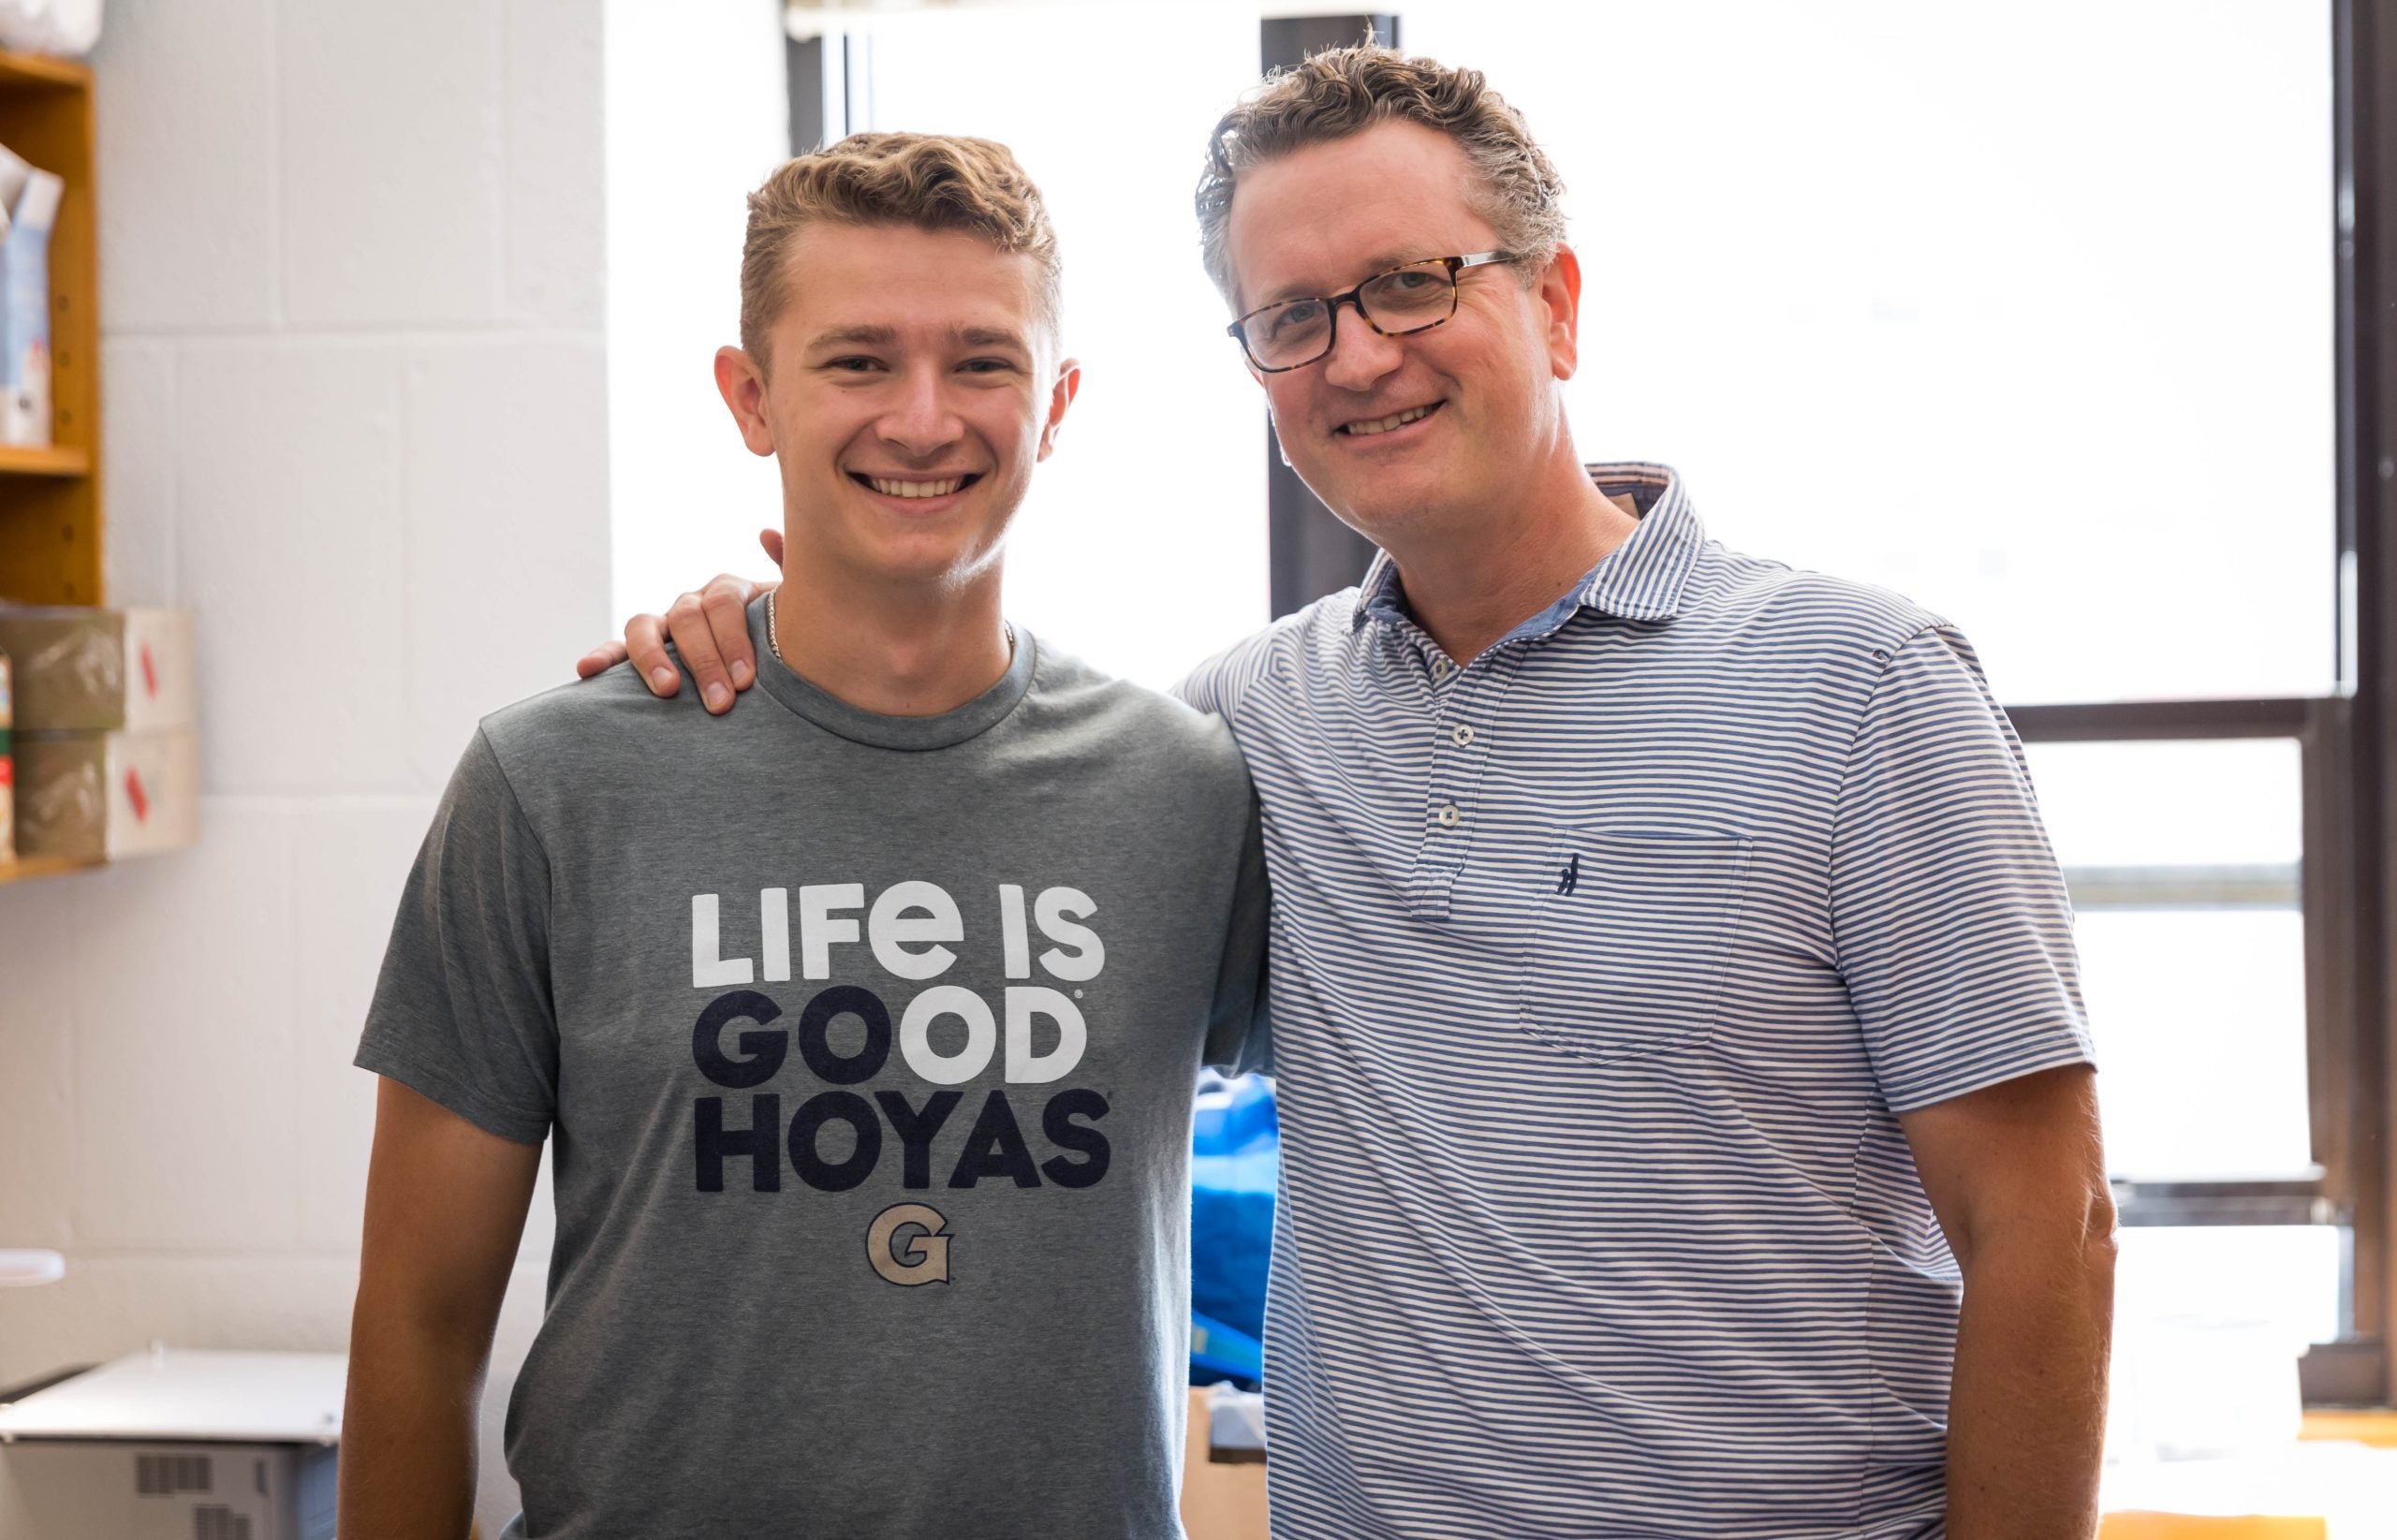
x=1236, y=1158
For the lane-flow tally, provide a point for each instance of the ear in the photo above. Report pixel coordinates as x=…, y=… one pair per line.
x=1558, y=292
x=742, y=386
x=1245, y=361
x=1061, y=396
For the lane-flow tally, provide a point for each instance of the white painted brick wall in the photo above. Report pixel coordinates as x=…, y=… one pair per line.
x=188, y=155
x=553, y=223
x=288, y=552
x=391, y=164
x=137, y=383
x=494, y=428
x=356, y=391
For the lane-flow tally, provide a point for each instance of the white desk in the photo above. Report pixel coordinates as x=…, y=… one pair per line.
x=176, y=1394
x=160, y=1445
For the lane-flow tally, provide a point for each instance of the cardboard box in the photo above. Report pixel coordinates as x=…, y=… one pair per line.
x=91, y=796
x=86, y=670
x=1221, y=1498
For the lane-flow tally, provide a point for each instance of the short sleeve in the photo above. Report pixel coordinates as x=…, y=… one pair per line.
x=1240, y=1037
x=463, y=1013
x=1220, y=685
x=1206, y=688
x=1953, y=929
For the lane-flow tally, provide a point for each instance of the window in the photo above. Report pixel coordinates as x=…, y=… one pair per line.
x=1968, y=305
x=695, y=116
x=1140, y=547
x=2182, y=858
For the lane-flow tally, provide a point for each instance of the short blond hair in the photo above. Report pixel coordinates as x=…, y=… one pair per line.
x=1346, y=91
x=931, y=182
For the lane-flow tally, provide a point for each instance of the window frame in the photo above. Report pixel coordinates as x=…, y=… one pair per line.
x=2328, y=881
x=2348, y=779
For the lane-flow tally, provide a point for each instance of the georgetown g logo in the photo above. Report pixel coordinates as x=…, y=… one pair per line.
x=908, y=1259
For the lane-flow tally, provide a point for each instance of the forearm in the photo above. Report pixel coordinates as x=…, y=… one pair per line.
x=409, y=1435
x=2026, y=1413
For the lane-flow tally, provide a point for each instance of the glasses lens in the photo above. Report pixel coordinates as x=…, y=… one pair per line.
x=1418, y=296
x=1288, y=334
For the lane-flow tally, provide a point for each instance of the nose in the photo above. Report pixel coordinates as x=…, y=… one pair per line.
x=1360, y=355
x=920, y=422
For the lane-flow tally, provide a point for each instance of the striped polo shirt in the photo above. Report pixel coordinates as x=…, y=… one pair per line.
x=1602, y=966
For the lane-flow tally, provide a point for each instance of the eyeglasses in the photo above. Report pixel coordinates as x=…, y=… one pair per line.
x=1293, y=333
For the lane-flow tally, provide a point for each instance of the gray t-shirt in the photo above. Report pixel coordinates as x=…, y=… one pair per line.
x=866, y=1047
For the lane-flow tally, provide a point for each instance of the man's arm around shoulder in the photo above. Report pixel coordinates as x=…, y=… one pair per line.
x=445, y=1209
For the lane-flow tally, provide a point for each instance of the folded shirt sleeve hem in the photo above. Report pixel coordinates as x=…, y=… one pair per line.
x=437, y=1086
x=1983, y=1077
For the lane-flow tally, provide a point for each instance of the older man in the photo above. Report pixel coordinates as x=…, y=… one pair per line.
x=1689, y=1119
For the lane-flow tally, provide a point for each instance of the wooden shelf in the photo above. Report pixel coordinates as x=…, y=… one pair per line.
x=50, y=542
x=50, y=539
x=39, y=70
x=31, y=867
x=52, y=460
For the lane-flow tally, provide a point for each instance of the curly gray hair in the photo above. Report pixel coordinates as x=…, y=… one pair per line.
x=1344, y=91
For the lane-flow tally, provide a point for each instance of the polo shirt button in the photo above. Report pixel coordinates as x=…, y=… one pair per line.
x=1440, y=667
x=1449, y=815
x=1462, y=737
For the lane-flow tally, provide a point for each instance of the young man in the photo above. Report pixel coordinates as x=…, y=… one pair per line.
x=1688, y=1122
x=867, y=1076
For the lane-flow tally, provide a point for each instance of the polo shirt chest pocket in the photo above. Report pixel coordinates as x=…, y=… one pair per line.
x=1628, y=940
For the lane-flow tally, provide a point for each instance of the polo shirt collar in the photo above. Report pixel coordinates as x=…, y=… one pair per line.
x=1641, y=579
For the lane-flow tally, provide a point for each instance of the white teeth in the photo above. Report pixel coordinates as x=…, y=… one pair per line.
x=1386, y=424
x=917, y=489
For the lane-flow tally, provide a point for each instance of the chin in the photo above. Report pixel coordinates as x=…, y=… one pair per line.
x=1389, y=513
x=948, y=564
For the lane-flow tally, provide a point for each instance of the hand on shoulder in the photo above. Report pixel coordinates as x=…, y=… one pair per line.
x=708, y=628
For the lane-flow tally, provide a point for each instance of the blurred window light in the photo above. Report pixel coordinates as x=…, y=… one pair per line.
x=697, y=114
x=2182, y=861
x=1142, y=546
x=2025, y=315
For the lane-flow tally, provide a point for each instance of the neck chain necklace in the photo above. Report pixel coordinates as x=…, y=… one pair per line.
x=774, y=640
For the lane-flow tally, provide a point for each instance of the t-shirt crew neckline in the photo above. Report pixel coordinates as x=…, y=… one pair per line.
x=907, y=733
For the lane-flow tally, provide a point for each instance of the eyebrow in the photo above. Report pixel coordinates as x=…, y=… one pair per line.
x=887, y=336
x=1375, y=264
x=855, y=336
x=992, y=336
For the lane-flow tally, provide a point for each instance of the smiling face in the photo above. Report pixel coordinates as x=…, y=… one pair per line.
x=912, y=381
x=1413, y=438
